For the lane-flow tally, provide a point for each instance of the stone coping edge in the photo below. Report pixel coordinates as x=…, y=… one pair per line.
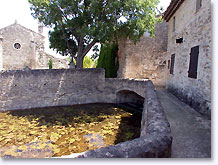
x=155, y=139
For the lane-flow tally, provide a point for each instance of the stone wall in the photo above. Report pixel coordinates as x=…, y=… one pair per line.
x=45, y=88
x=195, y=28
x=147, y=59
x=1, y=52
x=155, y=139
x=42, y=88
x=57, y=63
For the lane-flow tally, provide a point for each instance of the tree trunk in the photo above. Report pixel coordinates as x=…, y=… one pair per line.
x=79, y=61
x=82, y=51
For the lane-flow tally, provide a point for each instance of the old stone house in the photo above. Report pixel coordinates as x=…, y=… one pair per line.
x=21, y=47
x=189, y=50
x=179, y=57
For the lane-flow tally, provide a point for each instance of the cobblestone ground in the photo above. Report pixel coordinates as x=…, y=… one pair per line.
x=191, y=132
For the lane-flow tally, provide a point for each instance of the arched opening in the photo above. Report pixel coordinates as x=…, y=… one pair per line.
x=130, y=99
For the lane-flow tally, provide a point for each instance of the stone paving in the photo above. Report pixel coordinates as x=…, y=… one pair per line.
x=191, y=132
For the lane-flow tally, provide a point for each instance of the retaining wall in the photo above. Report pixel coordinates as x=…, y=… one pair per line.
x=42, y=88
x=46, y=88
x=155, y=139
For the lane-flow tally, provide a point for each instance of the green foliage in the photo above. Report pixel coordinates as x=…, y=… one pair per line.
x=70, y=60
x=96, y=52
x=50, y=63
x=108, y=60
x=58, y=43
x=89, y=62
x=79, y=24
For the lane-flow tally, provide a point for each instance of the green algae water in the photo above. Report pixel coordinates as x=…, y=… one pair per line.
x=59, y=131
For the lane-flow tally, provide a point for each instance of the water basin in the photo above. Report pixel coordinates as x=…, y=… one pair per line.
x=57, y=131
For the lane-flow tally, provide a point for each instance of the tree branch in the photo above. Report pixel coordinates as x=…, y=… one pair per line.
x=60, y=9
x=72, y=54
x=88, y=47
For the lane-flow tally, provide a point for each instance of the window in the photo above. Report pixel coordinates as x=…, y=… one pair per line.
x=179, y=40
x=198, y=5
x=17, y=46
x=172, y=64
x=193, y=64
x=174, y=24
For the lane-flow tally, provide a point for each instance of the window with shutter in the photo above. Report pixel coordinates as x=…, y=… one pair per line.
x=193, y=64
x=172, y=64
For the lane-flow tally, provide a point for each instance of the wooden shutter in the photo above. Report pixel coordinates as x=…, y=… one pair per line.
x=172, y=64
x=193, y=65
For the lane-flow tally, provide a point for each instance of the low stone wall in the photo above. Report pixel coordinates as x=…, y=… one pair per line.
x=46, y=88
x=193, y=98
x=43, y=88
x=155, y=140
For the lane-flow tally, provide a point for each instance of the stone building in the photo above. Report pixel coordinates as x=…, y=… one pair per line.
x=189, y=50
x=21, y=47
x=146, y=59
x=179, y=57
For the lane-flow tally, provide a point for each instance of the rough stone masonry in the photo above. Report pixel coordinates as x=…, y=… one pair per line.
x=191, y=22
x=147, y=58
x=44, y=88
x=166, y=58
x=21, y=47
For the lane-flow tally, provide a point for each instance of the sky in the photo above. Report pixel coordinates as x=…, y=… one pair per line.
x=11, y=10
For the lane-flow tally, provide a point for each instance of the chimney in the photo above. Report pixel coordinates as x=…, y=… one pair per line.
x=40, y=28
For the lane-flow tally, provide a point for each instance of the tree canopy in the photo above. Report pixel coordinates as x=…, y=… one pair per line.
x=79, y=24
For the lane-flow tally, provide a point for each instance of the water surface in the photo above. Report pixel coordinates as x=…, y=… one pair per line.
x=57, y=131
